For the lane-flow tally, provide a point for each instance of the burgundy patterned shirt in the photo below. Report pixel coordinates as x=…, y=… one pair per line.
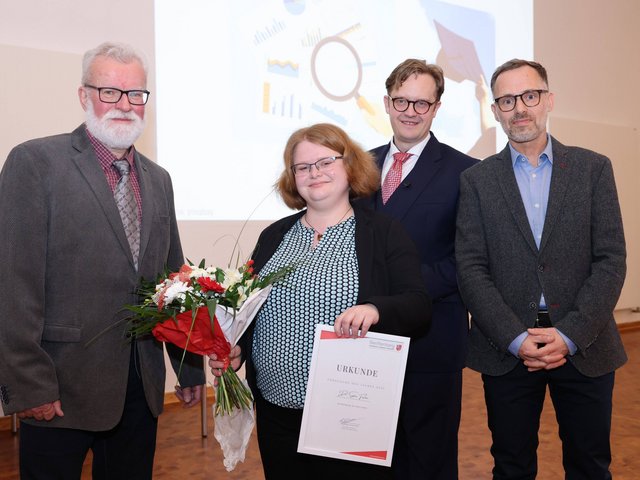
x=106, y=159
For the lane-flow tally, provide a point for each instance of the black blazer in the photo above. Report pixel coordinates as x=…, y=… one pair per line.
x=388, y=275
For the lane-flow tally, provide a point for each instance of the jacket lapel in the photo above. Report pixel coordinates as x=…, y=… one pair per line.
x=561, y=173
x=511, y=192
x=89, y=167
x=364, y=252
x=267, y=245
x=148, y=206
x=375, y=201
x=415, y=183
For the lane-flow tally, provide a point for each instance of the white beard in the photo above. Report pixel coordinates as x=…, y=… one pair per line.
x=114, y=135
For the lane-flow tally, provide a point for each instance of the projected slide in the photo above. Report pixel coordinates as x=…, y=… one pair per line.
x=235, y=78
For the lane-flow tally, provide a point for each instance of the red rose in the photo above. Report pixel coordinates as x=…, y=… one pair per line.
x=210, y=285
x=198, y=336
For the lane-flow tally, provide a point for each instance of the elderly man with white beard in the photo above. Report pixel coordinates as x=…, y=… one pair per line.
x=83, y=216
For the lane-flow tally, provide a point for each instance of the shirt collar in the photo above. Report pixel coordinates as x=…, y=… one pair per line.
x=105, y=156
x=547, y=153
x=415, y=150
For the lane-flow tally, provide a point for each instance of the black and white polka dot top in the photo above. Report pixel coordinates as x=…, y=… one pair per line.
x=323, y=285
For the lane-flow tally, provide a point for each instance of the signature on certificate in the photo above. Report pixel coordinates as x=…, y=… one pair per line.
x=350, y=422
x=353, y=395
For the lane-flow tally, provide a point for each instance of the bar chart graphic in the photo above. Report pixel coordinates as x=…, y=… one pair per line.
x=280, y=104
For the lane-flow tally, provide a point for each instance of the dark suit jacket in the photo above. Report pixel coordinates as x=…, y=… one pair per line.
x=388, y=275
x=580, y=265
x=68, y=273
x=425, y=204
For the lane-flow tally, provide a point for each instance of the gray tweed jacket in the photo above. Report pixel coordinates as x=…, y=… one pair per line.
x=67, y=273
x=580, y=265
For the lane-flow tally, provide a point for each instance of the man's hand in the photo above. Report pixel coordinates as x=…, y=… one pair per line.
x=543, y=349
x=43, y=412
x=189, y=396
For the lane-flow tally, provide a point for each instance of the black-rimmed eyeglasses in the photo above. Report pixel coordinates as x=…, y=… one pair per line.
x=321, y=165
x=530, y=98
x=113, y=95
x=419, y=106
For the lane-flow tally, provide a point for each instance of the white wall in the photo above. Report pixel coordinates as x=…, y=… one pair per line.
x=589, y=48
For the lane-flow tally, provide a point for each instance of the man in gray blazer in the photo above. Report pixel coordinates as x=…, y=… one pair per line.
x=70, y=267
x=541, y=263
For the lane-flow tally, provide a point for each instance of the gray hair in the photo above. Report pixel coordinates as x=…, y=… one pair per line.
x=120, y=52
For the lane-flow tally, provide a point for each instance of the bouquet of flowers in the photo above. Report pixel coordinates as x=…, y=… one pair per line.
x=205, y=310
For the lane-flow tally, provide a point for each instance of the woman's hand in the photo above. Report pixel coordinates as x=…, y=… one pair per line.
x=217, y=366
x=355, y=321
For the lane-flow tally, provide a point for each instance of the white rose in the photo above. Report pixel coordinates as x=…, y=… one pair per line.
x=231, y=277
x=198, y=272
x=242, y=296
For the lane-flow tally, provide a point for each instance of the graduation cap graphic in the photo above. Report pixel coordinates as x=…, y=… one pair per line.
x=458, y=56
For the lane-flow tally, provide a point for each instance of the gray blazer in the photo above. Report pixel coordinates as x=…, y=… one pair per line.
x=67, y=272
x=580, y=265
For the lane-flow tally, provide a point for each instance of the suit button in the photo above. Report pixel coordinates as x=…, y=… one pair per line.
x=533, y=306
x=541, y=268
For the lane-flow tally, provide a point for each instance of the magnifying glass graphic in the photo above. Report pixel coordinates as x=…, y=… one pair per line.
x=332, y=62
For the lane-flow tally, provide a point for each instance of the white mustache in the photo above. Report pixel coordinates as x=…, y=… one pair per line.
x=118, y=115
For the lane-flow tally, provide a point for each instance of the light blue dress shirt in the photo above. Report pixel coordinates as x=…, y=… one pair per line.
x=534, y=184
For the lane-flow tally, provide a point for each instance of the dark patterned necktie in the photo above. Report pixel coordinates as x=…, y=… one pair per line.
x=394, y=175
x=128, y=208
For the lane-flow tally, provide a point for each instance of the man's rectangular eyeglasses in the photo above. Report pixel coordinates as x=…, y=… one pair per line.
x=530, y=98
x=419, y=106
x=322, y=164
x=113, y=95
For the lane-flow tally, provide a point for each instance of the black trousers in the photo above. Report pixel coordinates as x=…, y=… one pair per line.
x=583, y=410
x=278, y=432
x=427, y=437
x=123, y=453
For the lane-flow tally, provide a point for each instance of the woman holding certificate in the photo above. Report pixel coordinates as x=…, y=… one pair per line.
x=354, y=269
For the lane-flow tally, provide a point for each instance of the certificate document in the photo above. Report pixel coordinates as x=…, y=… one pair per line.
x=353, y=396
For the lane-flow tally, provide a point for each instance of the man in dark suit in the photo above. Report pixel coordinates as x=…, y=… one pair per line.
x=422, y=192
x=541, y=262
x=73, y=254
